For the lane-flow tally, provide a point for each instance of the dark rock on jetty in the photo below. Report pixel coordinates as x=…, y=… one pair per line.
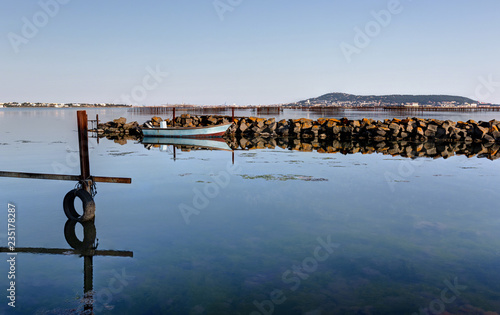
x=409, y=129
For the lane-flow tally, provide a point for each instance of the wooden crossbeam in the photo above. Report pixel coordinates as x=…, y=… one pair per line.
x=99, y=179
x=61, y=251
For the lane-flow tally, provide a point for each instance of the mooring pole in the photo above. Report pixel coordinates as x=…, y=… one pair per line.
x=173, y=119
x=83, y=141
x=232, y=111
x=97, y=127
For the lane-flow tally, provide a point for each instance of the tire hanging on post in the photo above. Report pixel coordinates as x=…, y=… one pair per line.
x=87, y=202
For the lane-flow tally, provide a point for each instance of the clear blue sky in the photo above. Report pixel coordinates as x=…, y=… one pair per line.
x=260, y=52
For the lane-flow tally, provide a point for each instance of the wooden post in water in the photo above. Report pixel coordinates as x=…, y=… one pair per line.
x=232, y=114
x=173, y=119
x=97, y=127
x=83, y=141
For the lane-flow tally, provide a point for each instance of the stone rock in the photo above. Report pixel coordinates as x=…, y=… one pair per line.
x=121, y=121
x=243, y=126
x=272, y=126
x=432, y=127
x=496, y=134
x=479, y=131
x=394, y=126
x=430, y=133
x=306, y=125
x=441, y=133
x=382, y=131
x=488, y=138
x=283, y=122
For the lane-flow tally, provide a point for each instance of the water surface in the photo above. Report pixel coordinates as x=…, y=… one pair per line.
x=402, y=229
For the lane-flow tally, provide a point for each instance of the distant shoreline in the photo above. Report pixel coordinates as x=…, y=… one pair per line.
x=62, y=107
x=459, y=108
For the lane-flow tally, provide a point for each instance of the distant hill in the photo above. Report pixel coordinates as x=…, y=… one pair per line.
x=343, y=98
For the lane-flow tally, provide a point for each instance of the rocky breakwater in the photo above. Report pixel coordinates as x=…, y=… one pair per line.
x=119, y=130
x=409, y=129
x=186, y=120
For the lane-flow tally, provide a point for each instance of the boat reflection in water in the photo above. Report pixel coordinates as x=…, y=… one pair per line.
x=194, y=143
x=186, y=144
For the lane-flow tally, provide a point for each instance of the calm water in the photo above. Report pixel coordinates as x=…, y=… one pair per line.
x=280, y=232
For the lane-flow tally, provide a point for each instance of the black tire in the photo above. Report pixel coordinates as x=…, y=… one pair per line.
x=89, y=235
x=87, y=202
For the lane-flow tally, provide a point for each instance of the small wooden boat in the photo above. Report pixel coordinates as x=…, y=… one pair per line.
x=187, y=132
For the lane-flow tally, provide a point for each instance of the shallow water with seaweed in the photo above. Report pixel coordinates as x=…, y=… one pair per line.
x=280, y=231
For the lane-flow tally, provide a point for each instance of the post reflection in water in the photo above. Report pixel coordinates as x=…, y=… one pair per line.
x=86, y=248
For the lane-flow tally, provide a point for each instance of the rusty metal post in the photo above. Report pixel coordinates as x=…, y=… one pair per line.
x=97, y=121
x=232, y=110
x=233, y=157
x=83, y=141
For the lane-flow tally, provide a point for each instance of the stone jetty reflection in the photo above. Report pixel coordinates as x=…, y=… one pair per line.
x=405, y=149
